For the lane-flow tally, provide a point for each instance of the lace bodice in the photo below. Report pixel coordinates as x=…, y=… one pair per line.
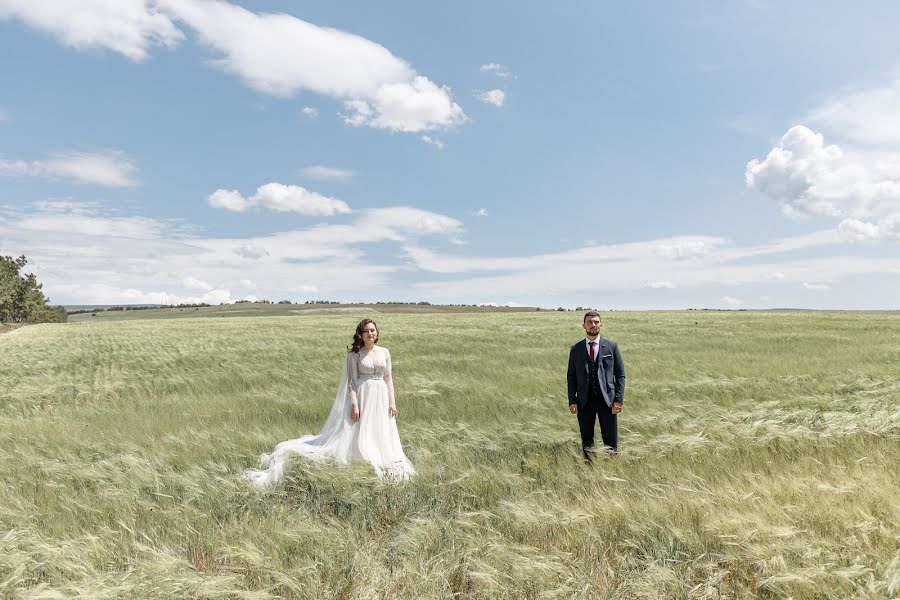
x=373, y=365
x=362, y=367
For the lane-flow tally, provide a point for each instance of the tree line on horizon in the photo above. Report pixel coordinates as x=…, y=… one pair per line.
x=21, y=298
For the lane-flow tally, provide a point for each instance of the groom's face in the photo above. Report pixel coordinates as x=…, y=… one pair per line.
x=592, y=326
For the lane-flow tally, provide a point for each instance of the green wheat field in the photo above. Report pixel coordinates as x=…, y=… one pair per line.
x=760, y=458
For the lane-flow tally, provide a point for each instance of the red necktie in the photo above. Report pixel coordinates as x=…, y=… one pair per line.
x=591, y=345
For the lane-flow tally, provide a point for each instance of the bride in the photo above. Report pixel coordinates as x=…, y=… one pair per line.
x=361, y=424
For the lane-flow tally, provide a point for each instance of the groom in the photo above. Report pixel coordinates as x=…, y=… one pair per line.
x=596, y=379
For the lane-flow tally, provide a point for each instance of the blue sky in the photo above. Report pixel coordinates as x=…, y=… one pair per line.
x=730, y=155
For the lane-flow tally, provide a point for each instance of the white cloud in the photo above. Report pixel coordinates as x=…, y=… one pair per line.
x=495, y=97
x=854, y=230
x=112, y=295
x=816, y=286
x=71, y=245
x=686, y=248
x=280, y=198
x=251, y=252
x=481, y=212
x=400, y=222
x=310, y=112
x=229, y=200
x=293, y=198
x=90, y=260
x=417, y=105
x=192, y=283
x=628, y=267
x=129, y=27
x=324, y=173
x=281, y=55
x=859, y=230
x=276, y=54
x=124, y=227
x=433, y=141
x=112, y=169
x=857, y=183
x=86, y=219
x=867, y=116
x=497, y=69
x=215, y=297
x=3, y=117
x=809, y=178
x=673, y=251
x=731, y=301
x=785, y=245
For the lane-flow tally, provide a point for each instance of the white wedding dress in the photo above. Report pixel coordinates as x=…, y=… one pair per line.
x=366, y=378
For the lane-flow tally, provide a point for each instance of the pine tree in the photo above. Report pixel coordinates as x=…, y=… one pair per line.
x=21, y=298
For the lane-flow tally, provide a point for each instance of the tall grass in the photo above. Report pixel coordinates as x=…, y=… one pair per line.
x=759, y=458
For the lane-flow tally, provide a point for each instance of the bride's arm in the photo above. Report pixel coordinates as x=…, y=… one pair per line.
x=389, y=380
x=351, y=384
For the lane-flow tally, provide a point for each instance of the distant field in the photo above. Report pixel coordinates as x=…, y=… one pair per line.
x=759, y=459
x=277, y=310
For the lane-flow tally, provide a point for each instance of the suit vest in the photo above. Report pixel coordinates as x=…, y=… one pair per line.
x=595, y=395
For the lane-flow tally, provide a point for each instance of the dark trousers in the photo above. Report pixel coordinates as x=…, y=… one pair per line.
x=597, y=410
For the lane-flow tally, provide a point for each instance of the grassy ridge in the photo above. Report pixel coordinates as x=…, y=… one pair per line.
x=258, y=309
x=759, y=457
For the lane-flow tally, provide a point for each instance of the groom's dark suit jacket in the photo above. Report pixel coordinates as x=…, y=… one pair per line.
x=611, y=369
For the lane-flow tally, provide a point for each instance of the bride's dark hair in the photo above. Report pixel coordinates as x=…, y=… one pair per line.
x=357, y=337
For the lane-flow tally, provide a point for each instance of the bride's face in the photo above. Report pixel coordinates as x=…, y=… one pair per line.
x=369, y=333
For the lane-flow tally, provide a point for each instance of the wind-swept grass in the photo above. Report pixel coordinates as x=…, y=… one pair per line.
x=759, y=458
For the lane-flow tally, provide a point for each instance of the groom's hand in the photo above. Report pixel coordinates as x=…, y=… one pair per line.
x=573, y=408
x=616, y=408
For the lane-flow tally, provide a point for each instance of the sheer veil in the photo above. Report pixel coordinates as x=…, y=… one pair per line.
x=333, y=441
